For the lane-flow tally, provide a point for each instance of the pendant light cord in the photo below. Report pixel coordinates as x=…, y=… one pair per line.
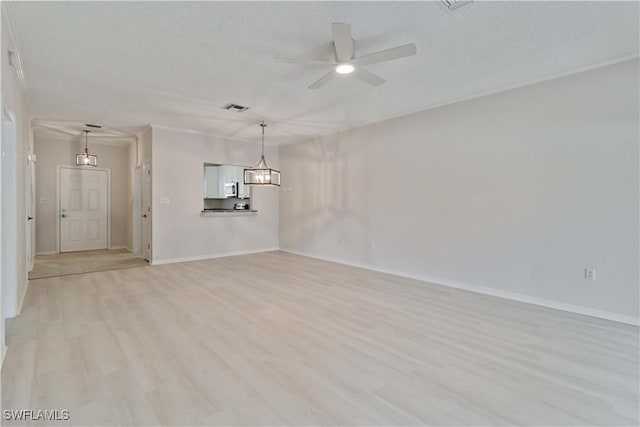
x=86, y=142
x=264, y=125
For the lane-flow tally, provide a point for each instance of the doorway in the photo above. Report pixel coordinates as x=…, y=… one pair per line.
x=83, y=208
x=66, y=263
x=84, y=214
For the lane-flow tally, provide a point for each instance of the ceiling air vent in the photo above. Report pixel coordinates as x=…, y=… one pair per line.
x=455, y=4
x=235, y=107
x=89, y=125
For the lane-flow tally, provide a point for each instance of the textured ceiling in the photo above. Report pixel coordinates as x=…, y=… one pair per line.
x=127, y=64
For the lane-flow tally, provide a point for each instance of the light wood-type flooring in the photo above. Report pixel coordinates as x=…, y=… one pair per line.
x=280, y=339
x=66, y=263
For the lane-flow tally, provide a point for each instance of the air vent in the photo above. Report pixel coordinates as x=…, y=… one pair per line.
x=89, y=125
x=235, y=107
x=455, y=4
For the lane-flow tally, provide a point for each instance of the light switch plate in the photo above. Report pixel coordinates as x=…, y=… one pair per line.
x=164, y=200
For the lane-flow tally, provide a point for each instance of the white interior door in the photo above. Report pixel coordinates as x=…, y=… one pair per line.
x=84, y=210
x=146, y=210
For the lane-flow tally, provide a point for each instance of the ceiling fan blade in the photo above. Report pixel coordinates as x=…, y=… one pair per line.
x=386, y=55
x=323, y=80
x=303, y=61
x=368, y=77
x=342, y=42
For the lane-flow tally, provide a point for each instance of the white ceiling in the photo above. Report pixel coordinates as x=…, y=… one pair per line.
x=127, y=64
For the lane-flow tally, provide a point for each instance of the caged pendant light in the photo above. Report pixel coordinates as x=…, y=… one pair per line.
x=261, y=174
x=86, y=159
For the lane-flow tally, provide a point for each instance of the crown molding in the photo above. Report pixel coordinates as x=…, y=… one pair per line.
x=56, y=136
x=573, y=71
x=16, y=60
x=213, y=135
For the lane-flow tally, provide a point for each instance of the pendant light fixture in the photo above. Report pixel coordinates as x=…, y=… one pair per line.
x=86, y=159
x=261, y=174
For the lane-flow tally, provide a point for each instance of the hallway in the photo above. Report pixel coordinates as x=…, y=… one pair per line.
x=66, y=263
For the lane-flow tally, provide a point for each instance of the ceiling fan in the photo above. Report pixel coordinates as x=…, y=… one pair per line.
x=345, y=61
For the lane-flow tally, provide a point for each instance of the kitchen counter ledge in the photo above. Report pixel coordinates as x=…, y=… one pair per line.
x=228, y=212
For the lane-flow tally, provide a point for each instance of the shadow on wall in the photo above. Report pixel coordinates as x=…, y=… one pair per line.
x=336, y=200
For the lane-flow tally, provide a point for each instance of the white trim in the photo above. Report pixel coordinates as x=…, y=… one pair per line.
x=24, y=294
x=419, y=110
x=214, y=135
x=543, y=302
x=50, y=134
x=119, y=247
x=149, y=213
x=477, y=95
x=13, y=42
x=58, y=168
x=136, y=209
x=211, y=256
x=46, y=253
x=10, y=277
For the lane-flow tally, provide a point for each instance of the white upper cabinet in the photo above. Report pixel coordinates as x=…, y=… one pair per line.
x=211, y=186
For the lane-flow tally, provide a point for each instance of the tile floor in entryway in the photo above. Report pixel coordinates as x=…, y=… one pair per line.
x=66, y=263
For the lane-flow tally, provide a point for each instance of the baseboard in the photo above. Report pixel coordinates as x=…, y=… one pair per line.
x=211, y=256
x=118, y=247
x=24, y=294
x=587, y=311
x=46, y=253
x=4, y=352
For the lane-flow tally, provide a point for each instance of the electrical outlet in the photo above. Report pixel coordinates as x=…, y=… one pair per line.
x=590, y=273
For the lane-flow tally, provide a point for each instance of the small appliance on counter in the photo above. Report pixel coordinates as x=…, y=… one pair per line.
x=241, y=206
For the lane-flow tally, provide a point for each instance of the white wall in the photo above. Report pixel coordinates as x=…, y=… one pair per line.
x=515, y=192
x=14, y=98
x=179, y=232
x=52, y=151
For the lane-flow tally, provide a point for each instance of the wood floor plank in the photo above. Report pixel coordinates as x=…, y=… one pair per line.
x=280, y=339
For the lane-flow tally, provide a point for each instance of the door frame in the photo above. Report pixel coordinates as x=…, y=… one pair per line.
x=30, y=208
x=8, y=217
x=147, y=193
x=136, y=228
x=58, y=170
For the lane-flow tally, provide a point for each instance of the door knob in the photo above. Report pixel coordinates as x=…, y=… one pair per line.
x=144, y=216
x=29, y=218
x=63, y=216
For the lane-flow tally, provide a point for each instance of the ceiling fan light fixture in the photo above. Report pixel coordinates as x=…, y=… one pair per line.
x=344, y=68
x=346, y=61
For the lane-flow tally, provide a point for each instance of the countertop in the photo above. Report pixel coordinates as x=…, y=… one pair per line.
x=228, y=212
